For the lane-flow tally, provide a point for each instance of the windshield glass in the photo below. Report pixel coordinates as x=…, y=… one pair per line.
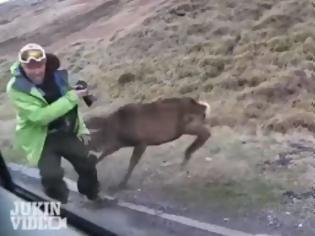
x=166, y=117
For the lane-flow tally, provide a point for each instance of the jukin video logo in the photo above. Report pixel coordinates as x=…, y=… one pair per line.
x=28, y=216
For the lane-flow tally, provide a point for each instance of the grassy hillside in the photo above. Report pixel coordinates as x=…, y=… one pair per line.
x=253, y=60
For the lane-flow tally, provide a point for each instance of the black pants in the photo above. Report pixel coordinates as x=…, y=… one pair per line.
x=65, y=145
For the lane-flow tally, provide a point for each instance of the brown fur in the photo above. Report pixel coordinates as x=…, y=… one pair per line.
x=140, y=125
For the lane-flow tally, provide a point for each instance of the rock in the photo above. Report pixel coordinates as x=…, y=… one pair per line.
x=273, y=221
x=279, y=44
x=177, y=12
x=126, y=78
x=166, y=163
x=291, y=195
x=309, y=46
x=187, y=88
x=283, y=160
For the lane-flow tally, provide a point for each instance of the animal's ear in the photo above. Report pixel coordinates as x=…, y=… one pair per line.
x=193, y=100
x=197, y=97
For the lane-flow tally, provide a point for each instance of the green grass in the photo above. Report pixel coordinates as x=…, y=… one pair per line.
x=238, y=196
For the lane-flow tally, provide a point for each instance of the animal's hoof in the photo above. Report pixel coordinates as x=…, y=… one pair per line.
x=104, y=202
x=113, y=189
x=122, y=186
x=183, y=166
x=117, y=188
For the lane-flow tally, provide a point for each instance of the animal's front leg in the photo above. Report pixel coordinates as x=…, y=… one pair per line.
x=107, y=150
x=202, y=134
x=135, y=157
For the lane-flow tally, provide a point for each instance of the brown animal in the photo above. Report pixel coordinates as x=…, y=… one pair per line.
x=140, y=125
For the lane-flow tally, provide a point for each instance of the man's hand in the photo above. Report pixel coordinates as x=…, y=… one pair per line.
x=81, y=92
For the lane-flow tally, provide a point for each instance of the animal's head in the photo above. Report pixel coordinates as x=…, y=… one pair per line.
x=199, y=107
x=207, y=108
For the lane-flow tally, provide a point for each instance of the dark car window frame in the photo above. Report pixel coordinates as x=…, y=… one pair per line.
x=74, y=220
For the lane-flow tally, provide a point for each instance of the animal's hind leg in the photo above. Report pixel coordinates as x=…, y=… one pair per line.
x=202, y=133
x=135, y=157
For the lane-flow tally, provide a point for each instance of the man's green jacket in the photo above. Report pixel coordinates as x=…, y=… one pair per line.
x=33, y=113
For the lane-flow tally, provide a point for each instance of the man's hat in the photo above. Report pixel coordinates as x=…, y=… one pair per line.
x=32, y=51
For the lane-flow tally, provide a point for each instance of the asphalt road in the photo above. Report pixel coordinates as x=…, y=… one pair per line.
x=120, y=220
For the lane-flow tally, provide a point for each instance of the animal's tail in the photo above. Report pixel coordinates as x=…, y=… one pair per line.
x=208, y=108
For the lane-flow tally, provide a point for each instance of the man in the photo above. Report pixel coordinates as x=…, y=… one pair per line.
x=49, y=125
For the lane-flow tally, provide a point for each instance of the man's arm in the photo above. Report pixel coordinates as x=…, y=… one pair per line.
x=42, y=115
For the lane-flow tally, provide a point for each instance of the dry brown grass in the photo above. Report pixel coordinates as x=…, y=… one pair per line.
x=286, y=121
x=258, y=60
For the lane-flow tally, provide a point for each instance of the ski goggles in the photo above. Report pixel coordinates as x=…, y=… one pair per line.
x=27, y=56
